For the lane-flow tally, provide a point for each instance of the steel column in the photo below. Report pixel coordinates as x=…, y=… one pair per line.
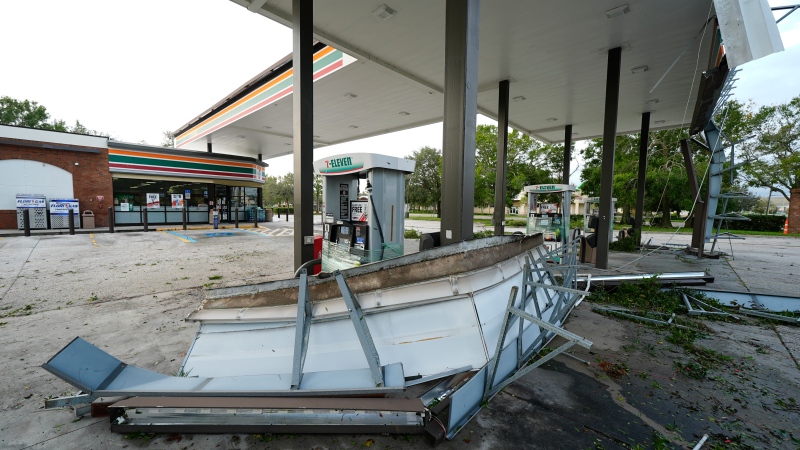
x=460, y=115
x=208, y=147
x=303, y=105
x=567, y=153
x=502, y=161
x=609, y=148
x=644, y=140
x=714, y=139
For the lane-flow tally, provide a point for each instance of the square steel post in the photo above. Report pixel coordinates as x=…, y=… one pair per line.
x=303, y=115
x=609, y=148
x=502, y=161
x=460, y=119
x=644, y=141
x=567, y=153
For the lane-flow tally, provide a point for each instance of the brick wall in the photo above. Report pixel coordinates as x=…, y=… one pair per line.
x=794, y=211
x=90, y=178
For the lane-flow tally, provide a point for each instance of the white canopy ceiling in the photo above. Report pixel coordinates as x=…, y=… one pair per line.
x=554, y=54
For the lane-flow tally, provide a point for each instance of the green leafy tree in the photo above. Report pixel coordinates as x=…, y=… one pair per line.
x=269, y=193
x=424, y=186
x=528, y=162
x=26, y=113
x=285, y=191
x=667, y=188
x=775, y=153
x=318, y=191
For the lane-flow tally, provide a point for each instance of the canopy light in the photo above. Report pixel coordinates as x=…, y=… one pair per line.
x=350, y=95
x=621, y=10
x=640, y=69
x=659, y=122
x=652, y=101
x=404, y=113
x=384, y=12
x=552, y=119
x=518, y=98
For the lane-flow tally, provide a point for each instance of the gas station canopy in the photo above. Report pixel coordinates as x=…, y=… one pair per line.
x=389, y=70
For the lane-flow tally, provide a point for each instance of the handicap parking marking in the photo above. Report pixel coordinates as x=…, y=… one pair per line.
x=219, y=234
x=182, y=237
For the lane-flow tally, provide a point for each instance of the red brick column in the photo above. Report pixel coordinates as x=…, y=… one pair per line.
x=794, y=211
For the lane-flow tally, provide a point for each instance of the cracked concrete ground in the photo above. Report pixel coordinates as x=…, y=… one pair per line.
x=128, y=293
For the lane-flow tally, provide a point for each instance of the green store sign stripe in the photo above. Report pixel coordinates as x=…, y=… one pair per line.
x=155, y=162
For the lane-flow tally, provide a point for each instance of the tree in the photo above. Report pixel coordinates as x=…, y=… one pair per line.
x=775, y=153
x=269, y=193
x=424, y=186
x=528, y=162
x=318, y=191
x=667, y=187
x=285, y=191
x=29, y=114
x=168, y=140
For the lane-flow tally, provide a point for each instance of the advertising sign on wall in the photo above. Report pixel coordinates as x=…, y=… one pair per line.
x=344, y=199
x=177, y=200
x=62, y=207
x=153, y=201
x=359, y=211
x=24, y=201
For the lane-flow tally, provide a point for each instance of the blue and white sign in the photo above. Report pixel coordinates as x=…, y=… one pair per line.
x=62, y=207
x=31, y=201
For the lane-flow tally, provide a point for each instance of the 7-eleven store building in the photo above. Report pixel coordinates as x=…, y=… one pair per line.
x=205, y=180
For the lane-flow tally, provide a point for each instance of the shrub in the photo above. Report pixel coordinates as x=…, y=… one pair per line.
x=411, y=234
x=483, y=234
x=626, y=244
x=757, y=222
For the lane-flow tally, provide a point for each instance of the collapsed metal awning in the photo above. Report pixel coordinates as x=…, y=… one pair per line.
x=494, y=319
x=268, y=415
x=97, y=373
x=667, y=278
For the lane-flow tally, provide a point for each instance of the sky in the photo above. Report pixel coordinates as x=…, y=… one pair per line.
x=135, y=69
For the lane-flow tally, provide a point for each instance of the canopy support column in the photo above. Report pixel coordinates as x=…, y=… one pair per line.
x=609, y=148
x=303, y=117
x=460, y=119
x=502, y=161
x=644, y=140
x=567, y=153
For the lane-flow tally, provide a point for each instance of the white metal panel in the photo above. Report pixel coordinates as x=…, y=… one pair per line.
x=20, y=176
x=427, y=339
x=55, y=137
x=748, y=30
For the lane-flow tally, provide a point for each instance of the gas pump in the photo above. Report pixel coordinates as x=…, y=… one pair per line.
x=361, y=228
x=551, y=219
x=591, y=216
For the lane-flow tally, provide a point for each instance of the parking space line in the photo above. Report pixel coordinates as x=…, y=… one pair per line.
x=186, y=239
x=94, y=243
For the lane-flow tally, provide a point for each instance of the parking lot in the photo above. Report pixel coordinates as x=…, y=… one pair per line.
x=129, y=292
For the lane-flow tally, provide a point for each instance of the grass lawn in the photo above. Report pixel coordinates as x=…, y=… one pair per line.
x=683, y=230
